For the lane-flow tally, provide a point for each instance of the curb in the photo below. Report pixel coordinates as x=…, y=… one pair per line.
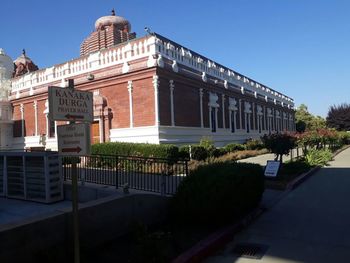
x=212, y=243
x=209, y=245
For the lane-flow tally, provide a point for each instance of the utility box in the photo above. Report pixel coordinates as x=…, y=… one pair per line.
x=34, y=176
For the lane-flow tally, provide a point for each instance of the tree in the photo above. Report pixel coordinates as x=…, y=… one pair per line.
x=306, y=121
x=339, y=117
x=279, y=143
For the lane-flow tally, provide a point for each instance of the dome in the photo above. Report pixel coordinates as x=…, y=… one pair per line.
x=6, y=65
x=119, y=22
x=24, y=64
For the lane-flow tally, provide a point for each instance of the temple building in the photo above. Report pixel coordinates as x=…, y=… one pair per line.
x=146, y=89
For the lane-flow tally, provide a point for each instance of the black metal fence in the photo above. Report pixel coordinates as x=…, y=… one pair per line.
x=140, y=173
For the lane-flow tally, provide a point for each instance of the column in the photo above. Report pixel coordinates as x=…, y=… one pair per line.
x=201, y=106
x=130, y=87
x=156, y=99
x=35, y=105
x=22, y=118
x=254, y=116
x=223, y=111
x=171, y=87
x=240, y=113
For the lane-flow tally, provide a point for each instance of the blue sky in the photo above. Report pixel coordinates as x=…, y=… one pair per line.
x=298, y=47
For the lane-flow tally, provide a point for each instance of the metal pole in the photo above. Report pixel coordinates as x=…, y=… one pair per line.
x=75, y=206
x=75, y=212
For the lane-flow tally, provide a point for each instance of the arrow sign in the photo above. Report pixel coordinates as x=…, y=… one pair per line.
x=74, y=117
x=74, y=139
x=71, y=150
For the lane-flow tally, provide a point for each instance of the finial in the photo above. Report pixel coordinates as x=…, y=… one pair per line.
x=23, y=51
x=113, y=12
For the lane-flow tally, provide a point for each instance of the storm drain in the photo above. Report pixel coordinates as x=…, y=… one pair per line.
x=250, y=250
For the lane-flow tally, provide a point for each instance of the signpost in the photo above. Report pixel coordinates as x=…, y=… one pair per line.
x=74, y=139
x=68, y=104
x=272, y=168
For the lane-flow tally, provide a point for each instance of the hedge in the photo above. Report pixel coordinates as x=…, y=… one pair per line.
x=218, y=193
x=136, y=149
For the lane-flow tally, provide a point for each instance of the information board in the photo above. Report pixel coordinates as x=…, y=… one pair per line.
x=271, y=168
x=74, y=139
x=68, y=104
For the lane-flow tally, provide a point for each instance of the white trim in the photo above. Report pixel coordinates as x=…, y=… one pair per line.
x=35, y=105
x=201, y=106
x=156, y=99
x=22, y=118
x=130, y=87
x=179, y=135
x=223, y=111
x=171, y=87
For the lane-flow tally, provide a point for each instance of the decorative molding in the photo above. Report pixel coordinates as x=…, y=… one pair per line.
x=160, y=61
x=131, y=116
x=156, y=99
x=201, y=106
x=171, y=87
x=126, y=67
x=213, y=100
x=175, y=67
x=204, y=77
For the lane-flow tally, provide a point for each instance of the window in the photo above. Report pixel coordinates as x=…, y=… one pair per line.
x=213, y=119
x=52, y=130
x=233, y=124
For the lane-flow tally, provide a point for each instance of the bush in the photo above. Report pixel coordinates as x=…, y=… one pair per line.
x=279, y=143
x=184, y=152
x=254, y=145
x=294, y=168
x=198, y=153
x=208, y=144
x=218, y=193
x=318, y=157
x=232, y=147
x=136, y=149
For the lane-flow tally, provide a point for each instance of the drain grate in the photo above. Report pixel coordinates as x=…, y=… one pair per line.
x=250, y=250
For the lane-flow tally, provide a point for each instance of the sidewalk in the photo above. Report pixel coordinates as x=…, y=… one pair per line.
x=309, y=225
x=262, y=159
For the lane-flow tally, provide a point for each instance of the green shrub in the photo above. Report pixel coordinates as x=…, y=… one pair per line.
x=218, y=193
x=254, y=145
x=136, y=149
x=294, y=168
x=318, y=157
x=198, y=153
x=232, y=147
x=208, y=144
x=279, y=143
x=184, y=152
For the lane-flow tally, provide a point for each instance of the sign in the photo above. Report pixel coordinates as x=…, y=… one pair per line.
x=69, y=104
x=272, y=168
x=74, y=139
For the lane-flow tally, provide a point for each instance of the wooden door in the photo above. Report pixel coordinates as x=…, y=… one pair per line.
x=95, y=132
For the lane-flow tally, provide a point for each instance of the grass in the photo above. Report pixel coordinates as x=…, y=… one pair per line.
x=287, y=173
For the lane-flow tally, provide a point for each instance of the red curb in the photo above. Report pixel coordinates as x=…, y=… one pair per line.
x=216, y=240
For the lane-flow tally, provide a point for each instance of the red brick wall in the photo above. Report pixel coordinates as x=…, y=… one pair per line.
x=117, y=96
x=186, y=105
x=41, y=117
x=29, y=119
x=143, y=102
x=164, y=102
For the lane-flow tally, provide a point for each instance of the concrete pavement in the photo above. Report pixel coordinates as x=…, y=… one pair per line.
x=262, y=159
x=310, y=224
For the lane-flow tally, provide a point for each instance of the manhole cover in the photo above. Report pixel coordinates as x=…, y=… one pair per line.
x=250, y=250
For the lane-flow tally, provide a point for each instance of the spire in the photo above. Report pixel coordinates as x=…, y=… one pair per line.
x=23, y=51
x=113, y=12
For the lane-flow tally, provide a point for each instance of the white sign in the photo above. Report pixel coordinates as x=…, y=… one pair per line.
x=68, y=104
x=272, y=168
x=74, y=139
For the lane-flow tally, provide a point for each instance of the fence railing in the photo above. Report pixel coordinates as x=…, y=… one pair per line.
x=140, y=173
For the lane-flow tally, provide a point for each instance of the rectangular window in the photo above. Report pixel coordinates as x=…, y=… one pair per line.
x=233, y=124
x=52, y=130
x=213, y=119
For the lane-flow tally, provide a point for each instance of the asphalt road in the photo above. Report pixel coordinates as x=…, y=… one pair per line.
x=311, y=224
